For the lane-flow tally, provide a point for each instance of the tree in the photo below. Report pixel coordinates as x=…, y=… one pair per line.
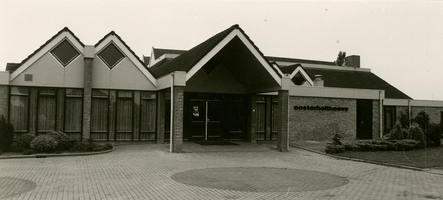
x=341, y=59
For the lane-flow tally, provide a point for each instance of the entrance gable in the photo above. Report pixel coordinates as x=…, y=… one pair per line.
x=255, y=69
x=237, y=32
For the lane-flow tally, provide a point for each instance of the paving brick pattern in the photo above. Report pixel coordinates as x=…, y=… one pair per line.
x=144, y=171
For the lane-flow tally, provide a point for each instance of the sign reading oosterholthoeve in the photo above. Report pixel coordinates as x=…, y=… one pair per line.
x=321, y=108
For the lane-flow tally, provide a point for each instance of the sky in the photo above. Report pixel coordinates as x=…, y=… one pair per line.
x=400, y=41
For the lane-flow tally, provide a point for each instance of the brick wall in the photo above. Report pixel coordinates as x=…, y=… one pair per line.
x=320, y=125
x=4, y=98
x=376, y=119
x=433, y=112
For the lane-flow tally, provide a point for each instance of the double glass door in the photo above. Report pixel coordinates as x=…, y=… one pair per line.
x=207, y=118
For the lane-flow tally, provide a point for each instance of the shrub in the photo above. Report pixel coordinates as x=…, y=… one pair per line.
x=44, y=143
x=107, y=147
x=63, y=140
x=396, y=133
x=24, y=141
x=422, y=119
x=416, y=133
x=6, y=134
x=336, y=140
x=404, y=120
x=28, y=152
x=85, y=145
x=331, y=148
x=406, y=145
x=433, y=133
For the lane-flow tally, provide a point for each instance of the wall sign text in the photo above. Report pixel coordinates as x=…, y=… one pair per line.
x=321, y=108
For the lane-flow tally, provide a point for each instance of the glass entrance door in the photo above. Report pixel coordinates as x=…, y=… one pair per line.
x=207, y=119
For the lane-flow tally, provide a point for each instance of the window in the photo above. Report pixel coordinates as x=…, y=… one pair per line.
x=298, y=79
x=99, y=114
x=46, y=110
x=260, y=114
x=389, y=118
x=19, y=109
x=65, y=53
x=111, y=55
x=148, y=106
x=73, y=113
x=124, y=115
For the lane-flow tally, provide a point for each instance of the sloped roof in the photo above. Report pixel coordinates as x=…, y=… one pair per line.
x=42, y=46
x=159, y=52
x=296, y=60
x=351, y=79
x=11, y=67
x=186, y=60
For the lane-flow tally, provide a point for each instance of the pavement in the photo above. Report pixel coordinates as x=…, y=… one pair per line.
x=149, y=171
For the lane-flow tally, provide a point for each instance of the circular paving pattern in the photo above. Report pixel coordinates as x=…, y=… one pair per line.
x=260, y=179
x=11, y=186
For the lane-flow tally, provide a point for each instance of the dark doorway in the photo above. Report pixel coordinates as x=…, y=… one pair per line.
x=364, y=119
x=214, y=117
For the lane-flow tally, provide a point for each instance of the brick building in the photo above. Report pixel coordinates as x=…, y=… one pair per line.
x=222, y=89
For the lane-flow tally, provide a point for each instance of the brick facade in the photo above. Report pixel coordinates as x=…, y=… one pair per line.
x=433, y=112
x=4, y=100
x=376, y=119
x=177, y=140
x=320, y=125
x=87, y=97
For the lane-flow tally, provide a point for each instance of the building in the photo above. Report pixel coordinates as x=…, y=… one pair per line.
x=222, y=89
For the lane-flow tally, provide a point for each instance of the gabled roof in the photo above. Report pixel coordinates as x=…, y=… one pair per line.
x=41, y=47
x=112, y=33
x=45, y=45
x=159, y=52
x=187, y=60
x=132, y=56
x=351, y=79
x=301, y=70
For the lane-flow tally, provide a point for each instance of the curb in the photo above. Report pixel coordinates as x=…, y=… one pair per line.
x=364, y=161
x=58, y=155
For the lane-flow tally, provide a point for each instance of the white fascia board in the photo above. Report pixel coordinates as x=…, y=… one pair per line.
x=157, y=60
x=222, y=44
x=164, y=82
x=406, y=102
x=328, y=92
x=303, y=73
x=45, y=49
x=259, y=57
x=151, y=59
x=128, y=54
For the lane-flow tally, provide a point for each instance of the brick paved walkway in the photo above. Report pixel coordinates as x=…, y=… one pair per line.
x=144, y=171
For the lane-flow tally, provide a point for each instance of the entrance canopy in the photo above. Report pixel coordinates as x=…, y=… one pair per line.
x=226, y=61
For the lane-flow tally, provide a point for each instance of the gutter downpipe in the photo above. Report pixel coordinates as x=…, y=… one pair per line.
x=409, y=112
x=381, y=113
x=172, y=113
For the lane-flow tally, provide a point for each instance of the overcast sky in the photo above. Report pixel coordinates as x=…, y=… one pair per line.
x=402, y=42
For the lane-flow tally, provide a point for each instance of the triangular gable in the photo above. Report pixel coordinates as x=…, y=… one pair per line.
x=194, y=59
x=63, y=34
x=112, y=37
x=302, y=72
